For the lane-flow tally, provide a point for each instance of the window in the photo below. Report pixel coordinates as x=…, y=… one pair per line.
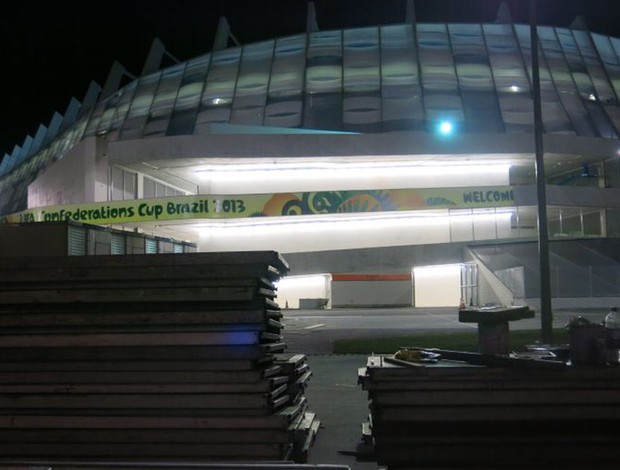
x=117, y=242
x=150, y=246
x=122, y=185
x=154, y=188
x=76, y=241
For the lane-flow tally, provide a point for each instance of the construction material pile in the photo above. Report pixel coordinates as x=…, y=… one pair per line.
x=452, y=409
x=149, y=358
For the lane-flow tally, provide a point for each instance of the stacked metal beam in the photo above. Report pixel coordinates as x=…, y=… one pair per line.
x=146, y=357
x=452, y=414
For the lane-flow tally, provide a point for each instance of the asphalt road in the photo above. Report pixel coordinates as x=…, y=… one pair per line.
x=314, y=331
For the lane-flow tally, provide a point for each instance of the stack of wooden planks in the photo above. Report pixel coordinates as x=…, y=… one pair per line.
x=297, y=369
x=511, y=413
x=148, y=358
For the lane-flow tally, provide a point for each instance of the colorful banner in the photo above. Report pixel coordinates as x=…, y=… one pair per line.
x=265, y=205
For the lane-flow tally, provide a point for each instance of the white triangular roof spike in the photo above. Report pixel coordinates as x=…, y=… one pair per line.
x=25, y=148
x=154, y=57
x=15, y=152
x=579, y=23
x=9, y=160
x=53, y=128
x=90, y=97
x=113, y=82
x=71, y=114
x=311, y=22
x=410, y=16
x=503, y=14
x=221, y=35
x=39, y=137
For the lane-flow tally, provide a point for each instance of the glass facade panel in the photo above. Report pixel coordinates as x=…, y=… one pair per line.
x=511, y=81
x=284, y=98
x=563, y=82
x=601, y=120
x=505, y=59
x=575, y=63
x=219, y=92
x=612, y=173
x=186, y=106
x=470, y=56
x=361, y=60
x=323, y=86
x=584, y=84
x=611, y=62
x=592, y=223
x=526, y=221
x=401, y=91
x=324, y=62
x=362, y=81
x=440, y=90
x=608, y=60
x=159, y=115
x=251, y=92
x=116, y=111
x=605, y=94
x=475, y=80
x=555, y=119
x=612, y=223
x=94, y=118
x=590, y=56
x=139, y=107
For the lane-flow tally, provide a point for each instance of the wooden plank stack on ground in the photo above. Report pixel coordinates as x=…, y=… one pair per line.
x=507, y=414
x=297, y=369
x=148, y=358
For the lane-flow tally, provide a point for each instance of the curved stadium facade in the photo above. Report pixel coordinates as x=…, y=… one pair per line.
x=363, y=153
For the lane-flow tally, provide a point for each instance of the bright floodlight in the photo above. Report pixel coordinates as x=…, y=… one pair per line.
x=446, y=128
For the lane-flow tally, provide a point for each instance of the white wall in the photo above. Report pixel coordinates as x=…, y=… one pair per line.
x=298, y=234
x=81, y=176
x=254, y=177
x=490, y=288
x=437, y=286
x=293, y=288
x=383, y=293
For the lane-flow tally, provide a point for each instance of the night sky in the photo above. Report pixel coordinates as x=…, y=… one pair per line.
x=51, y=51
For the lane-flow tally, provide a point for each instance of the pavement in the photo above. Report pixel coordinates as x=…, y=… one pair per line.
x=341, y=406
x=333, y=392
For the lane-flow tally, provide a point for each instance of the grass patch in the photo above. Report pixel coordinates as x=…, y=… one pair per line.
x=458, y=341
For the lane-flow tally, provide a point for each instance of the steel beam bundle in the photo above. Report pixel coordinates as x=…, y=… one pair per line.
x=148, y=358
x=454, y=414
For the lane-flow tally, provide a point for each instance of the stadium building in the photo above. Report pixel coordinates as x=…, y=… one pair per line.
x=395, y=163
